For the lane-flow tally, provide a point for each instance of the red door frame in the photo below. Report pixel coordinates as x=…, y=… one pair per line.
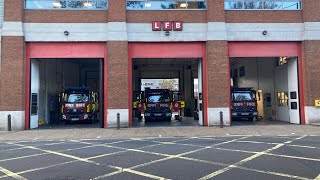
x=63, y=50
x=272, y=49
x=168, y=50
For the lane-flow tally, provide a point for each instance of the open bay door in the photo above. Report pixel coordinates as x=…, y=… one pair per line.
x=200, y=93
x=293, y=91
x=34, y=96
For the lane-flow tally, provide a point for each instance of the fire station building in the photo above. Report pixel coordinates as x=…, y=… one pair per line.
x=112, y=46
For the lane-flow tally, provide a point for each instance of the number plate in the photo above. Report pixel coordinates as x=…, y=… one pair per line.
x=74, y=119
x=158, y=114
x=245, y=113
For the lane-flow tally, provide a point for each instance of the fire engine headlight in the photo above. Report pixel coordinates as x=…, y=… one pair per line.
x=168, y=114
x=64, y=117
x=85, y=116
x=146, y=114
x=255, y=113
x=234, y=114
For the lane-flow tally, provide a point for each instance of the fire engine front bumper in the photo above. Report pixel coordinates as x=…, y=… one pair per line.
x=79, y=117
x=157, y=115
x=244, y=114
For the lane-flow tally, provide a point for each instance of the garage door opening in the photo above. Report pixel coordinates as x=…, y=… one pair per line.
x=166, y=92
x=264, y=90
x=66, y=93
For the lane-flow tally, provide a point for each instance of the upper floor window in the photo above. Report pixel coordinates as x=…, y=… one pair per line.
x=66, y=4
x=165, y=4
x=262, y=4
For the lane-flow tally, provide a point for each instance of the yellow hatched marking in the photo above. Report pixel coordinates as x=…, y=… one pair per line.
x=245, y=160
x=170, y=156
x=59, y=153
x=244, y=168
x=11, y=174
x=240, y=163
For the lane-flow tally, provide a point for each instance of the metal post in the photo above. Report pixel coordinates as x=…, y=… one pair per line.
x=118, y=120
x=221, y=119
x=9, y=122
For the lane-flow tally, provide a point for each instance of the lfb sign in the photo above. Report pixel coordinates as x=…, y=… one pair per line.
x=166, y=26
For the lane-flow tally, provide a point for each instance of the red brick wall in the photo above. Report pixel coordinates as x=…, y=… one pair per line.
x=12, y=74
x=65, y=16
x=167, y=15
x=215, y=11
x=13, y=10
x=311, y=10
x=218, y=74
x=311, y=57
x=247, y=16
x=117, y=10
x=117, y=69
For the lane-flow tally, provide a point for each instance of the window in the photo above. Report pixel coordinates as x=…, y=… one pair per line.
x=262, y=4
x=283, y=99
x=66, y=4
x=243, y=96
x=165, y=4
x=34, y=103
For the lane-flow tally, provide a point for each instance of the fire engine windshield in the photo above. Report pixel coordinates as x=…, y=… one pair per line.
x=158, y=98
x=243, y=96
x=75, y=98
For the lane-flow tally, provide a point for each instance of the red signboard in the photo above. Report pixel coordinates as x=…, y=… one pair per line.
x=156, y=26
x=177, y=26
x=167, y=26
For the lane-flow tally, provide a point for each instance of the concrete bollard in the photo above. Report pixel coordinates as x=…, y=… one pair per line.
x=9, y=122
x=221, y=119
x=118, y=120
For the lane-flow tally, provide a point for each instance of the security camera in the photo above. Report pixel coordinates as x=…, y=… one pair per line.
x=66, y=33
x=264, y=32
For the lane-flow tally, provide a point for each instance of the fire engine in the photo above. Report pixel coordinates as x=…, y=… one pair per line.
x=158, y=104
x=243, y=103
x=79, y=104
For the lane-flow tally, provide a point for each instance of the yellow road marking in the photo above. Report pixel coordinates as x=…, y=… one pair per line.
x=41, y=168
x=244, y=168
x=240, y=163
x=58, y=153
x=11, y=174
x=318, y=177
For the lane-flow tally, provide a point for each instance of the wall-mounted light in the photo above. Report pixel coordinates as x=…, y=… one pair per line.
x=66, y=33
x=183, y=5
x=167, y=33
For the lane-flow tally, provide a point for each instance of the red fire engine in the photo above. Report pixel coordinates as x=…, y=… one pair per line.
x=158, y=104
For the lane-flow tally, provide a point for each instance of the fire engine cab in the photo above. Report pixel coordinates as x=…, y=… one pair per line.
x=78, y=104
x=243, y=103
x=158, y=104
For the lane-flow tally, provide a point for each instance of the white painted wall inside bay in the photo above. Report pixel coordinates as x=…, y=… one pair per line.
x=261, y=73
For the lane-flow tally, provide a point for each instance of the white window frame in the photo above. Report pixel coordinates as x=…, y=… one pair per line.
x=282, y=1
x=85, y=9
x=186, y=1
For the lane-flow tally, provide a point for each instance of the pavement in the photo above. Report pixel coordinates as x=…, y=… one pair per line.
x=193, y=157
x=82, y=131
